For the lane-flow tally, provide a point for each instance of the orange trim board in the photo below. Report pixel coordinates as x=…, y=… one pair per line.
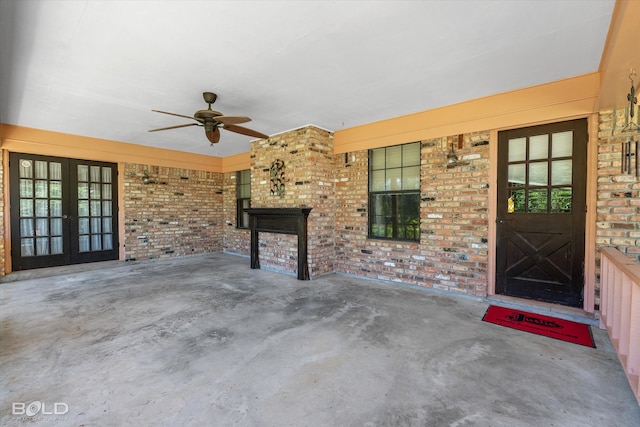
x=547, y=102
x=38, y=141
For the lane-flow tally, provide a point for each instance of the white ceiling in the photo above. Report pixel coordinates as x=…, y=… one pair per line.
x=97, y=68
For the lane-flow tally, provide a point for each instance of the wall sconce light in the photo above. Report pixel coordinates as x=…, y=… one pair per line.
x=452, y=158
x=628, y=150
x=146, y=179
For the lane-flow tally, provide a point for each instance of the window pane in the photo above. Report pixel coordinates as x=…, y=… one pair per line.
x=518, y=200
x=96, y=242
x=517, y=174
x=539, y=147
x=83, y=225
x=377, y=159
x=538, y=201
x=106, y=191
x=95, y=173
x=26, y=188
x=562, y=144
x=411, y=154
x=394, y=179
x=106, y=224
x=42, y=246
x=83, y=190
x=94, y=191
x=394, y=157
x=41, y=169
x=561, y=199
x=26, y=228
x=96, y=225
x=106, y=174
x=56, y=208
x=42, y=227
x=517, y=149
x=83, y=208
x=107, y=242
x=83, y=173
x=56, y=245
x=42, y=189
x=26, y=247
x=538, y=173
x=83, y=244
x=106, y=208
x=411, y=178
x=42, y=207
x=561, y=172
x=377, y=180
x=95, y=208
x=55, y=171
x=55, y=189
x=26, y=207
x=56, y=227
x=26, y=169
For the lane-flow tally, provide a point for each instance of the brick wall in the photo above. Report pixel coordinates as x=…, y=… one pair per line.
x=618, y=199
x=308, y=157
x=452, y=252
x=179, y=214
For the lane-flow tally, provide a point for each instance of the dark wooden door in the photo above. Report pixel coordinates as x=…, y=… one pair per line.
x=541, y=212
x=63, y=211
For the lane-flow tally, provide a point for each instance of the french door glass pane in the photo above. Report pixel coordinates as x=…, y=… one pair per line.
x=55, y=208
x=83, y=225
x=106, y=224
x=538, y=173
x=83, y=208
x=538, y=201
x=96, y=242
x=107, y=242
x=56, y=245
x=56, y=227
x=26, y=188
x=517, y=174
x=55, y=171
x=95, y=173
x=94, y=192
x=26, y=207
x=26, y=247
x=106, y=208
x=96, y=225
x=539, y=147
x=83, y=173
x=561, y=172
x=83, y=244
x=517, y=149
x=106, y=174
x=42, y=246
x=95, y=208
x=41, y=169
x=106, y=191
x=83, y=190
x=562, y=144
x=26, y=169
x=42, y=207
x=42, y=227
x=41, y=189
x=55, y=189
x=26, y=227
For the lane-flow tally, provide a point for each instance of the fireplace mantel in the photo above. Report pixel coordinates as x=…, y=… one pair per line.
x=284, y=221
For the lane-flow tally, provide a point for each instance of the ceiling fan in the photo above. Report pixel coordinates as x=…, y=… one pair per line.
x=213, y=120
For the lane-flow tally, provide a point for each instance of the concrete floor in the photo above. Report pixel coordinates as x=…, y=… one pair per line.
x=206, y=341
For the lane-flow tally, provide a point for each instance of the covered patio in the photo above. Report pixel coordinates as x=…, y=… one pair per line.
x=205, y=340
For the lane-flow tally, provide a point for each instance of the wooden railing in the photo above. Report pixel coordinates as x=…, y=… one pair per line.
x=620, y=310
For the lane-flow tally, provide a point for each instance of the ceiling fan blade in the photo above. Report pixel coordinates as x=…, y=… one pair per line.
x=173, y=114
x=232, y=120
x=245, y=131
x=213, y=136
x=175, y=127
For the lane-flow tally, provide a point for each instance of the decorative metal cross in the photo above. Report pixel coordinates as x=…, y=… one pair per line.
x=633, y=100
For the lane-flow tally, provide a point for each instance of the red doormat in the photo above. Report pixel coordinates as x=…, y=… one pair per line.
x=565, y=330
